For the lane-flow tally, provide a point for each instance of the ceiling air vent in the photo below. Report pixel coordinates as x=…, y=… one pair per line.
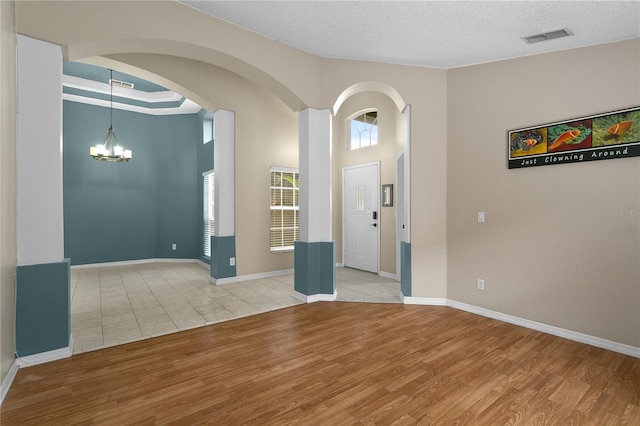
x=548, y=36
x=118, y=83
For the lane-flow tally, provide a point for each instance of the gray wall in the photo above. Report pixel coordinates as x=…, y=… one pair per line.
x=135, y=210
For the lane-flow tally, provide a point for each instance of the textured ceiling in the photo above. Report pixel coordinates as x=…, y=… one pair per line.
x=440, y=34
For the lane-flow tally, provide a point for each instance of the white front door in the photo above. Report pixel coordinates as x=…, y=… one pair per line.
x=361, y=217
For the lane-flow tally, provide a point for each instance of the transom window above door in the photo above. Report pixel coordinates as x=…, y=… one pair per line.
x=363, y=129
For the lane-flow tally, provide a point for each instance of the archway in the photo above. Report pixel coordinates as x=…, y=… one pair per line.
x=395, y=169
x=180, y=88
x=369, y=86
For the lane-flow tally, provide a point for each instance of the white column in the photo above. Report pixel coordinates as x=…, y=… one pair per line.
x=224, y=168
x=40, y=221
x=407, y=173
x=315, y=175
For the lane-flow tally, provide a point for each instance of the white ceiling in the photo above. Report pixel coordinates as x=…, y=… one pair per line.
x=440, y=34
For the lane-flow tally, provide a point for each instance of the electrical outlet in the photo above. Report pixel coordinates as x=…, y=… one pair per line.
x=174, y=246
x=480, y=217
x=232, y=261
x=480, y=284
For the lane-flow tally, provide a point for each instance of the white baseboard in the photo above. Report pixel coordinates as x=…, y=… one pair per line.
x=27, y=361
x=172, y=260
x=41, y=358
x=138, y=262
x=259, y=276
x=431, y=301
x=339, y=265
x=387, y=275
x=533, y=325
x=549, y=329
x=203, y=264
x=8, y=380
x=316, y=297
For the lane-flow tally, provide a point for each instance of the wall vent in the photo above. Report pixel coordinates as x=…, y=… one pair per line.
x=565, y=32
x=118, y=83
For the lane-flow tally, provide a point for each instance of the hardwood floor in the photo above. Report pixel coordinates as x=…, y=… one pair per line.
x=336, y=363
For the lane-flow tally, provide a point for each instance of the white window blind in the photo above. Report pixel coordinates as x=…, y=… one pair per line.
x=285, y=214
x=208, y=211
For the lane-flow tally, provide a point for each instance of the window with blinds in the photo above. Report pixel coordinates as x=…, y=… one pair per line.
x=285, y=214
x=208, y=211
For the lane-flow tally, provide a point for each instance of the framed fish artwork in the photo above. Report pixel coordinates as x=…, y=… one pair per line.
x=606, y=136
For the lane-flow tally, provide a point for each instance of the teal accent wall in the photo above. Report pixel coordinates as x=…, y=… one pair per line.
x=177, y=200
x=405, y=268
x=314, y=267
x=135, y=210
x=43, y=307
x=205, y=163
x=222, y=249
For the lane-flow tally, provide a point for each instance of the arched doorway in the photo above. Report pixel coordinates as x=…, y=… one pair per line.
x=391, y=153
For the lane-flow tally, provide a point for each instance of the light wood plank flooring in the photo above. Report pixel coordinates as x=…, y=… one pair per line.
x=336, y=363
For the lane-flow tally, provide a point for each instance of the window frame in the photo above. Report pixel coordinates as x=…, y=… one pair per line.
x=208, y=211
x=349, y=125
x=295, y=198
x=207, y=130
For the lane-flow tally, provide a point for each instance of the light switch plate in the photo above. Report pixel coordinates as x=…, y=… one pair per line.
x=480, y=217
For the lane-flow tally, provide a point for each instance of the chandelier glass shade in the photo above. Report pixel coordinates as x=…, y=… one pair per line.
x=110, y=149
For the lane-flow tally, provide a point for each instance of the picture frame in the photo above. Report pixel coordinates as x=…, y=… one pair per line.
x=387, y=195
x=605, y=136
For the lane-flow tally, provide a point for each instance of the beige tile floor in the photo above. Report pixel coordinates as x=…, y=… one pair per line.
x=359, y=286
x=120, y=304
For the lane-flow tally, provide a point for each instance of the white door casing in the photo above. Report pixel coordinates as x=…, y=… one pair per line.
x=360, y=204
x=400, y=215
x=403, y=194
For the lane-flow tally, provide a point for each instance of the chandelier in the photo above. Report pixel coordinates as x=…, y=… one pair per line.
x=110, y=149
